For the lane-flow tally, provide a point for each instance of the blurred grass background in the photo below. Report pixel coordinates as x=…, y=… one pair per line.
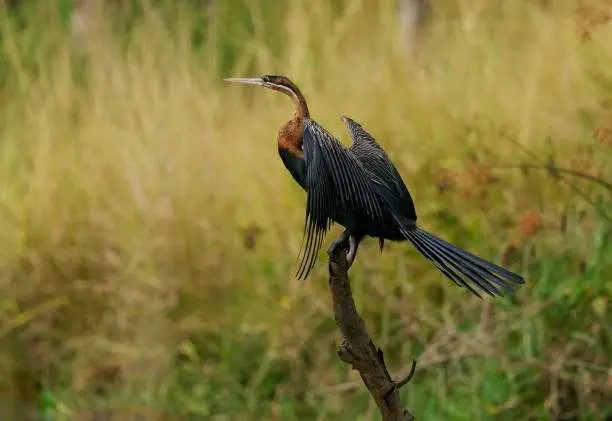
x=150, y=233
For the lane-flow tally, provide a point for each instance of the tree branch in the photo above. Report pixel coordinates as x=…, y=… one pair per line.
x=358, y=349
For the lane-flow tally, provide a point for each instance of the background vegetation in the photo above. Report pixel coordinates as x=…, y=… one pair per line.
x=149, y=233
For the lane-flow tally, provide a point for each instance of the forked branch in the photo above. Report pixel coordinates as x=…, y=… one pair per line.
x=358, y=349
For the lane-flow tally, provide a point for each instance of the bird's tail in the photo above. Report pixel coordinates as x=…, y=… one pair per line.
x=462, y=267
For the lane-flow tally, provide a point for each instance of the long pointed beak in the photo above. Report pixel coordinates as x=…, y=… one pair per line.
x=249, y=81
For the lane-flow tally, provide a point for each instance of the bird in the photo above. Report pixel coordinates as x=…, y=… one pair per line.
x=359, y=188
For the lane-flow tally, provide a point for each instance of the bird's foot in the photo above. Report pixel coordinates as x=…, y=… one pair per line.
x=340, y=242
x=346, y=242
x=352, y=251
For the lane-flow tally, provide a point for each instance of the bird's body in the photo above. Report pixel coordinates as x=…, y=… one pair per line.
x=373, y=220
x=359, y=188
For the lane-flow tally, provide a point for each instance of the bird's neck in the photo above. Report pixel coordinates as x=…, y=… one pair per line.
x=301, y=108
x=290, y=136
x=299, y=102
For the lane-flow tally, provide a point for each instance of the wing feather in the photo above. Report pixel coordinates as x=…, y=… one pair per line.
x=375, y=160
x=348, y=173
x=337, y=184
x=318, y=208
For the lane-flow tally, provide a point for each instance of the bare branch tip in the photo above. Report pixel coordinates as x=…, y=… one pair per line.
x=404, y=381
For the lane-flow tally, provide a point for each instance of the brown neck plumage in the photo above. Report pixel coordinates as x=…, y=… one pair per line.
x=290, y=135
x=301, y=108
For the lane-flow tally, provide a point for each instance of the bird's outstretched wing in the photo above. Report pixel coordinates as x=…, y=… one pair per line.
x=376, y=161
x=337, y=185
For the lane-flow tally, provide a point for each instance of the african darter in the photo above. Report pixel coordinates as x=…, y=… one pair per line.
x=360, y=188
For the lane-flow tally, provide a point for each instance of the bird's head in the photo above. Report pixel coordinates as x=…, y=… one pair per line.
x=275, y=82
x=278, y=83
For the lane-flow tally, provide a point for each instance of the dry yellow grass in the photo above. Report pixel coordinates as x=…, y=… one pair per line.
x=124, y=199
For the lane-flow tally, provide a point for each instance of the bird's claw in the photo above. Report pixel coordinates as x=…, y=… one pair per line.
x=338, y=242
x=348, y=243
x=352, y=251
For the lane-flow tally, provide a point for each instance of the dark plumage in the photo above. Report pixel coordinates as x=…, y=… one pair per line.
x=360, y=188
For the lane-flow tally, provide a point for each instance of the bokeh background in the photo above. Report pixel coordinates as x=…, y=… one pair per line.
x=149, y=233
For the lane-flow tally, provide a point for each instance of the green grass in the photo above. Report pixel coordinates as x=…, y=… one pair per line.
x=131, y=179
